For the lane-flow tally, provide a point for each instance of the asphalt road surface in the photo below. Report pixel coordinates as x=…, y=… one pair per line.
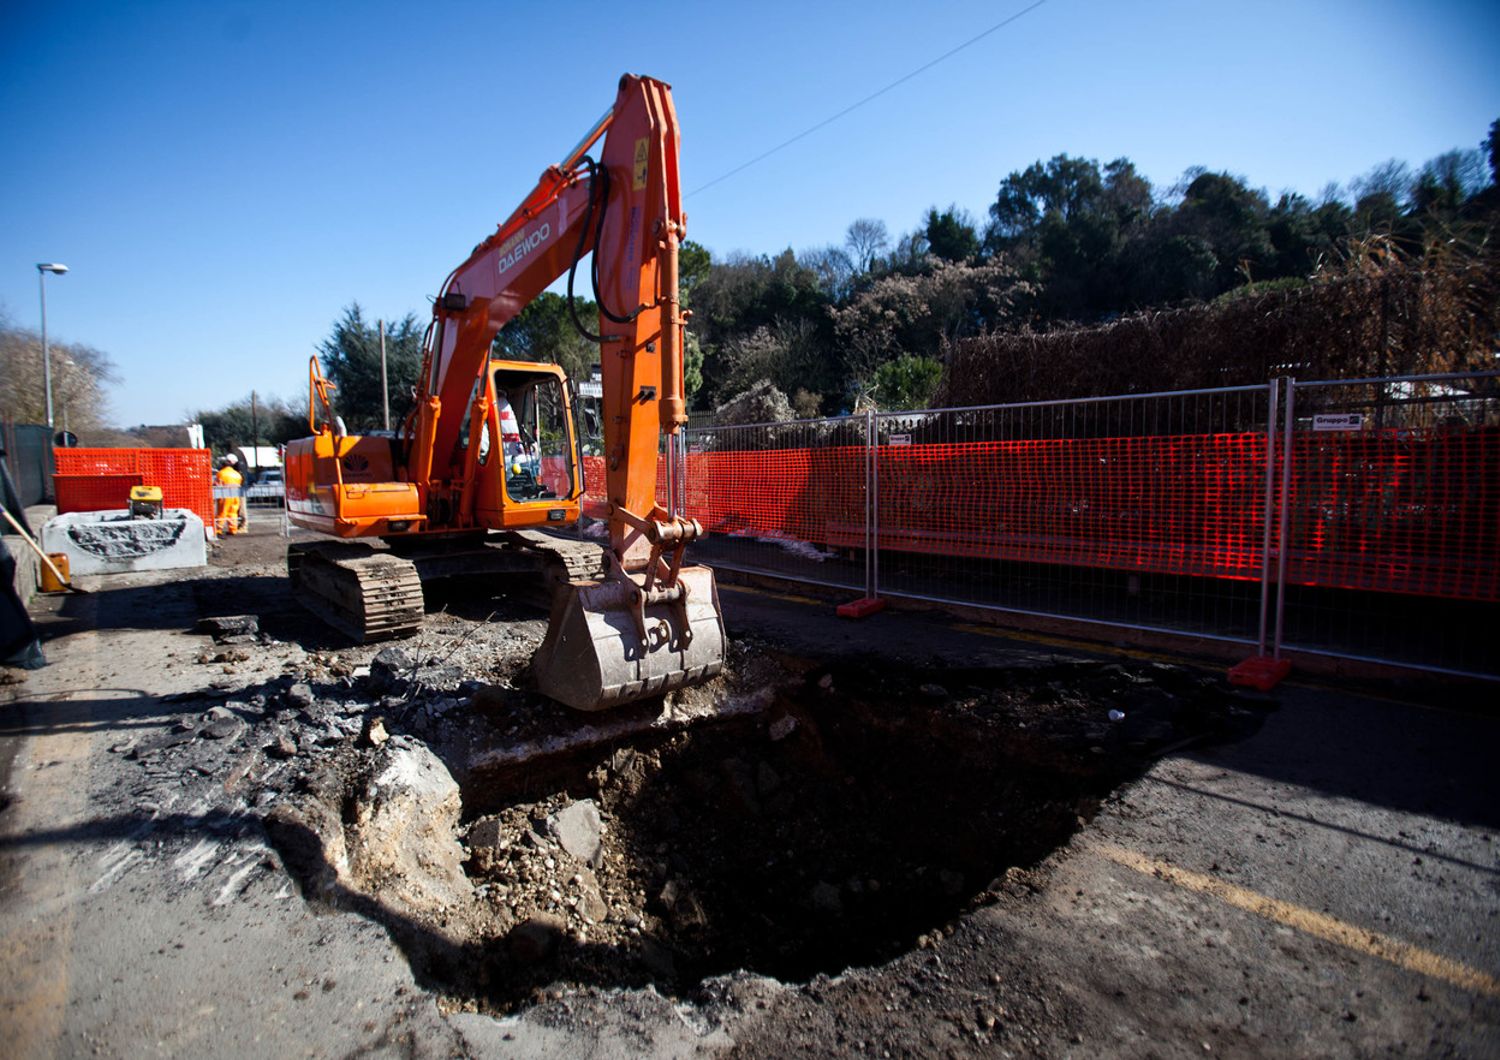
x=1327, y=885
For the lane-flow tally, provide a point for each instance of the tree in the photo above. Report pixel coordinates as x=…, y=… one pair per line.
x=910, y=254
x=1063, y=186
x=693, y=264
x=80, y=379
x=919, y=315
x=746, y=293
x=1297, y=243
x=907, y=382
x=1066, y=225
x=1126, y=193
x=1391, y=179
x=951, y=235
x=273, y=421
x=866, y=240
x=1447, y=182
x=1491, y=147
x=786, y=352
x=1381, y=197
x=351, y=360
x=834, y=268
x=1230, y=218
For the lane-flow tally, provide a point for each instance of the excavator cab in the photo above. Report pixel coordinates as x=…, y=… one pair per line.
x=527, y=463
x=611, y=639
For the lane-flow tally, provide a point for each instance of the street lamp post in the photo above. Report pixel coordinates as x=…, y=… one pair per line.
x=41, y=278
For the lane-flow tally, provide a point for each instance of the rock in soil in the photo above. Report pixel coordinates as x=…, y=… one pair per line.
x=405, y=829
x=579, y=831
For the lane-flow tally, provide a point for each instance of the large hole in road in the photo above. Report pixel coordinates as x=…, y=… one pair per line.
x=864, y=810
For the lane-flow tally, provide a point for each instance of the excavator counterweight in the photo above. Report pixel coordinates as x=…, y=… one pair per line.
x=490, y=447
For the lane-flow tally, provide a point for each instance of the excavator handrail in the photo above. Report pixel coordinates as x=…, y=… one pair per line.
x=318, y=386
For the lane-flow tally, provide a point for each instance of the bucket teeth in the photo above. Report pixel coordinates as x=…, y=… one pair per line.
x=593, y=657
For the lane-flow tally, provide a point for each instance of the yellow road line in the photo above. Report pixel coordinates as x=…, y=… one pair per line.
x=775, y=596
x=1310, y=922
x=1092, y=647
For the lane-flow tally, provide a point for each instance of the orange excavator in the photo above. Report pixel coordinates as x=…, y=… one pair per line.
x=487, y=466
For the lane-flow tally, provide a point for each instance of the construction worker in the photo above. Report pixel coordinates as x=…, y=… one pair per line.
x=229, y=518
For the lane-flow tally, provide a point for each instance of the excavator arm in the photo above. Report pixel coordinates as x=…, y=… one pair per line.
x=629, y=204
x=635, y=622
x=654, y=623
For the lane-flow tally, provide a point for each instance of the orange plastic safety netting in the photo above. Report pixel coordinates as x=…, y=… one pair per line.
x=1408, y=512
x=100, y=479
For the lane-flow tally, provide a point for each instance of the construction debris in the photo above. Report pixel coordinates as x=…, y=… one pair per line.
x=468, y=813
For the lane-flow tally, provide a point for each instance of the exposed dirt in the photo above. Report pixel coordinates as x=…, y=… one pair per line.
x=867, y=854
x=743, y=845
x=755, y=846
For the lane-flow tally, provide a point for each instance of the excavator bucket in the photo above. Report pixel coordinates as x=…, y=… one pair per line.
x=593, y=656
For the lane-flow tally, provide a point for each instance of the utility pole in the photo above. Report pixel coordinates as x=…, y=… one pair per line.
x=254, y=431
x=385, y=389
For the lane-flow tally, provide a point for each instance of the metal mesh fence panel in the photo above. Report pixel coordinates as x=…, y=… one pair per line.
x=1370, y=507
x=1146, y=511
x=786, y=499
x=1391, y=521
x=264, y=495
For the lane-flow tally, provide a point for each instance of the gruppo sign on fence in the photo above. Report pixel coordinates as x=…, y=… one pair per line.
x=1338, y=421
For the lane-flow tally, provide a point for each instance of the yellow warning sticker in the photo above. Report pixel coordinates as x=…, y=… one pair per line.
x=642, y=155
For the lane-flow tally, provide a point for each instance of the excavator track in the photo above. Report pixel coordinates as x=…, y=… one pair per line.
x=364, y=594
x=371, y=595
x=568, y=559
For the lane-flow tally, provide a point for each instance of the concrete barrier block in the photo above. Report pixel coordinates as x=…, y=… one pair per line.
x=111, y=542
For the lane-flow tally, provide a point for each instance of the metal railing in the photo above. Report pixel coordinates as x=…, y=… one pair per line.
x=1238, y=514
x=1389, y=520
x=263, y=500
x=265, y=495
x=787, y=499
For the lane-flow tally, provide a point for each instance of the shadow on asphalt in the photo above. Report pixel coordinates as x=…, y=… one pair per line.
x=1400, y=756
x=1436, y=760
x=94, y=713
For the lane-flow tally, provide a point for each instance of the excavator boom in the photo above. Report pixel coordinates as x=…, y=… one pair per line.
x=640, y=621
x=654, y=624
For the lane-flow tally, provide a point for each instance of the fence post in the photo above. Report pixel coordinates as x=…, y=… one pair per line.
x=873, y=589
x=1274, y=389
x=869, y=474
x=1286, y=484
x=682, y=473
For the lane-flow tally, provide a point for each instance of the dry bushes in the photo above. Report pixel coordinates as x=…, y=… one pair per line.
x=1376, y=312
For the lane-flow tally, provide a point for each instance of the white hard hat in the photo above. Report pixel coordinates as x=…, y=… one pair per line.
x=231, y=459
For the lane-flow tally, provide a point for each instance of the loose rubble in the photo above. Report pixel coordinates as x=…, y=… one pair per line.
x=509, y=845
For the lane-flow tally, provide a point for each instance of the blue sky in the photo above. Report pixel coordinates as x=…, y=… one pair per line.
x=223, y=178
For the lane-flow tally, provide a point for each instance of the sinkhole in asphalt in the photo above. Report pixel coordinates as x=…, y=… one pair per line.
x=865, y=809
